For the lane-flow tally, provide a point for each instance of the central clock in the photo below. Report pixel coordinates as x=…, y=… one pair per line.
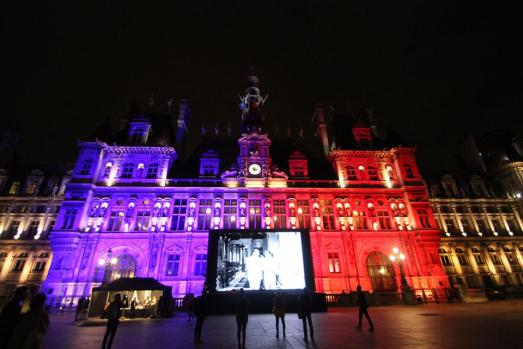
x=254, y=169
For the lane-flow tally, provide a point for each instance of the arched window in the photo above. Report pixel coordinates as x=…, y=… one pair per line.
x=125, y=267
x=445, y=257
x=478, y=257
x=381, y=272
x=462, y=257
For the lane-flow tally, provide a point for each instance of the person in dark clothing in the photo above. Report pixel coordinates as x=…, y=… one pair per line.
x=304, y=312
x=32, y=326
x=200, y=311
x=113, y=314
x=278, y=308
x=85, y=309
x=11, y=314
x=242, y=317
x=79, y=308
x=363, y=306
x=188, y=305
x=132, y=314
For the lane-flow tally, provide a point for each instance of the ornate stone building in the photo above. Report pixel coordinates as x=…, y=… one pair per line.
x=134, y=207
x=28, y=208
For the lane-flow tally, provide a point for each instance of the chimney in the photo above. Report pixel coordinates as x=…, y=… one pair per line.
x=320, y=125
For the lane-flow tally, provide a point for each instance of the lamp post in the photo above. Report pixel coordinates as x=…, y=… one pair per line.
x=406, y=290
x=109, y=261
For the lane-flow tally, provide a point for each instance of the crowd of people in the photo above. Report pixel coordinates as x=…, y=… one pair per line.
x=26, y=330
x=20, y=331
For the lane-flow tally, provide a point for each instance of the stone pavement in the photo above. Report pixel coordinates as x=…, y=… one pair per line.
x=485, y=325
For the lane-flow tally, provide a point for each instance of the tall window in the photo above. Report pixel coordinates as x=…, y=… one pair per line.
x=462, y=257
x=152, y=171
x=482, y=227
x=127, y=170
x=384, y=219
x=255, y=214
x=143, y=220
x=360, y=221
x=13, y=229
x=204, y=214
x=15, y=186
x=494, y=255
x=424, y=218
x=40, y=263
x=69, y=218
x=373, y=173
x=178, y=216
x=409, y=172
x=19, y=262
x=173, y=265
x=304, y=214
x=512, y=225
x=86, y=167
x=200, y=264
x=327, y=213
x=497, y=225
x=449, y=224
x=33, y=229
x=334, y=263
x=478, y=257
x=510, y=256
x=280, y=215
x=230, y=213
x=351, y=173
x=381, y=272
x=115, y=220
x=445, y=257
x=125, y=267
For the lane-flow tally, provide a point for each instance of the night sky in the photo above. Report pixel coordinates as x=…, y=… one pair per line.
x=435, y=70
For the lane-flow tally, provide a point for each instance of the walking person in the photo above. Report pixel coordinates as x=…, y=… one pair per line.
x=188, y=305
x=79, y=308
x=32, y=326
x=113, y=319
x=85, y=309
x=363, y=306
x=304, y=313
x=200, y=311
x=11, y=314
x=242, y=317
x=278, y=308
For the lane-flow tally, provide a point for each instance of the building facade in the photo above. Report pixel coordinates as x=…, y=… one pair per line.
x=134, y=208
x=28, y=209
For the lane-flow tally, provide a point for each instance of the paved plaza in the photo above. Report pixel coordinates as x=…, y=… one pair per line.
x=485, y=325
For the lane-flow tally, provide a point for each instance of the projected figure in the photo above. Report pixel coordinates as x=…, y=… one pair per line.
x=269, y=272
x=254, y=269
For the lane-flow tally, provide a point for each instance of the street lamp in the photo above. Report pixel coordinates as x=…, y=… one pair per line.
x=406, y=290
x=109, y=261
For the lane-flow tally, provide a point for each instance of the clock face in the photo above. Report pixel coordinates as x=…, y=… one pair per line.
x=254, y=169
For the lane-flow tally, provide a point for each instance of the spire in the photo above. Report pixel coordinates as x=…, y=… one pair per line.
x=252, y=105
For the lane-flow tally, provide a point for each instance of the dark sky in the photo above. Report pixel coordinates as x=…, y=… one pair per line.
x=435, y=70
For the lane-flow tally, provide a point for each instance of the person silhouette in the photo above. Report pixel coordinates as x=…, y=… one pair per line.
x=11, y=314
x=242, y=317
x=278, y=308
x=113, y=319
x=32, y=325
x=304, y=312
x=363, y=306
x=199, y=308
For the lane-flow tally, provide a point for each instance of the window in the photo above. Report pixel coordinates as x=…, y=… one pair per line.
x=86, y=167
x=512, y=225
x=254, y=214
x=280, y=215
x=204, y=214
x=462, y=257
x=497, y=225
x=200, y=264
x=351, y=173
x=152, y=171
x=304, y=216
x=19, y=262
x=424, y=218
x=373, y=173
x=478, y=257
x=143, y=218
x=230, y=212
x=33, y=229
x=334, y=263
x=15, y=186
x=69, y=218
x=127, y=170
x=178, y=215
x=107, y=171
x=494, y=255
x=137, y=136
x=409, y=173
x=384, y=220
x=40, y=263
x=115, y=220
x=327, y=213
x=173, y=265
x=445, y=257
x=466, y=225
x=381, y=272
x=449, y=224
x=510, y=256
x=13, y=229
x=360, y=222
x=482, y=227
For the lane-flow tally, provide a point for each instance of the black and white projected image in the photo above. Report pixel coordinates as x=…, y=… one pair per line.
x=268, y=261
